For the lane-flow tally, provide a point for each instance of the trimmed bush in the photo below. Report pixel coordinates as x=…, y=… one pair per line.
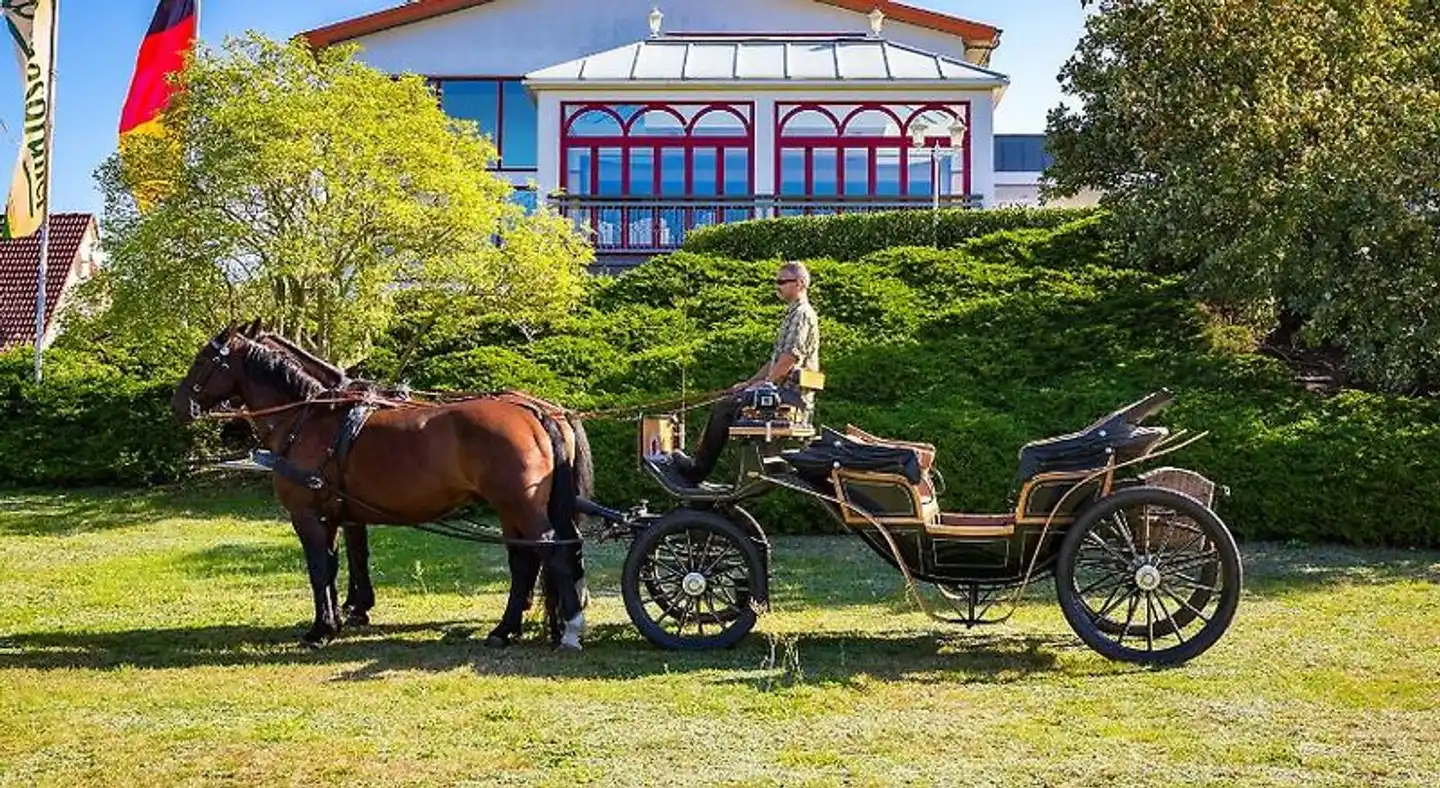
x=854, y=235
x=89, y=423
x=978, y=349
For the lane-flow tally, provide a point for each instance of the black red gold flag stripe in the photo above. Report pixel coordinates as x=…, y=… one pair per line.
x=170, y=38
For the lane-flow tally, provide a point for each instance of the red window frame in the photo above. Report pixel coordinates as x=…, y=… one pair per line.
x=872, y=144
x=689, y=142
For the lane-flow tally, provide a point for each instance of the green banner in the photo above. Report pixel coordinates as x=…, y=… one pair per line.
x=32, y=28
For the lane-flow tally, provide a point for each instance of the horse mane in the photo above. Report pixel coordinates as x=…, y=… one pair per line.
x=305, y=357
x=265, y=365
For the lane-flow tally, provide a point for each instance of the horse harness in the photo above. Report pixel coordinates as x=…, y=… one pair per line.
x=338, y=454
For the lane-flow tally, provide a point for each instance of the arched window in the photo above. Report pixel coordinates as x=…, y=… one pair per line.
x=680, y=151
x=674, y=150
x=865, y=150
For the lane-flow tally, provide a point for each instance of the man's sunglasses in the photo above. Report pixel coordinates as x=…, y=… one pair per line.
x=784, y=281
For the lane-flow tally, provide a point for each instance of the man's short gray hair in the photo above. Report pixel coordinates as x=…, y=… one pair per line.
x=798, y=270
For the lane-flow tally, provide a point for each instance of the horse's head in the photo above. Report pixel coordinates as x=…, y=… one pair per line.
x=214, y=376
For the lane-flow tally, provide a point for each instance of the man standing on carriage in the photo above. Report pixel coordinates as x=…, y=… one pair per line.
x=796, y=348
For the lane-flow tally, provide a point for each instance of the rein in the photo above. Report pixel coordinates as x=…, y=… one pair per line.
x=674, y=404
x=243, y=413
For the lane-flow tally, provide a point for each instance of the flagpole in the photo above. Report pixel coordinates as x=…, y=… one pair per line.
x=49, y=168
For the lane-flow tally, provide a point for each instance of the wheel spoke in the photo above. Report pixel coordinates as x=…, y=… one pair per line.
x=1091, y=560
x=1197, y=537
x=1149, y=623
x=1186, y=604
x=1120, y=521
x=1114, y=578
x=1111, y=602
x=1188, y=583
x=1130, y=616
x=705, y=551
x=687, y=604
x=1174, y=625
x=1095, y=538
x=1193, y=562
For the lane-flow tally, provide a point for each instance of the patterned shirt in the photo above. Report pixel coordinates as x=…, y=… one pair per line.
x=800, y=336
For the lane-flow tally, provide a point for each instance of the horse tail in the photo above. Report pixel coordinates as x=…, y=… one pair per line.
x=561, y=509
x=584, y=465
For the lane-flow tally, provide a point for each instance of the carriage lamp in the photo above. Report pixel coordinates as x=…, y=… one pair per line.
x=655, y=19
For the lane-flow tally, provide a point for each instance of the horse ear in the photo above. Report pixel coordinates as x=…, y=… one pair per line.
x=253, y=329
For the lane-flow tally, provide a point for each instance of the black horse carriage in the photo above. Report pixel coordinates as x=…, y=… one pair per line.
x=1144, y=569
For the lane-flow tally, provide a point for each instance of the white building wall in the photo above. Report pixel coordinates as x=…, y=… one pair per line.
x=515, y=37
x=87, y=258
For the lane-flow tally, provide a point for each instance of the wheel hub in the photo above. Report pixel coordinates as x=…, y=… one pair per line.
x=694, y=584
x=1147, y=577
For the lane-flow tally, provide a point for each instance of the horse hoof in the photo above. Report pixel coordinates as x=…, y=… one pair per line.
x=357, y=619
x=496, y=641
x=318, y=636
x=569, y=647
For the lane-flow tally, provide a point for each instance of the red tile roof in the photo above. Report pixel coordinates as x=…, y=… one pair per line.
x=20, y=268
x=974, y=33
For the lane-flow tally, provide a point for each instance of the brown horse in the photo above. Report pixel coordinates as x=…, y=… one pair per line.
x=410, y=463
x=360, y=591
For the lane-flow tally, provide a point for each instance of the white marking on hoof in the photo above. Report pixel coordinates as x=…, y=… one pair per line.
x=573, y=629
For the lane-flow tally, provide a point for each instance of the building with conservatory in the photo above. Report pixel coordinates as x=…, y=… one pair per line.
x=642, y=123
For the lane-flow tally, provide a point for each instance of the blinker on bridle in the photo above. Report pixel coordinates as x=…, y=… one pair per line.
x=220, y=359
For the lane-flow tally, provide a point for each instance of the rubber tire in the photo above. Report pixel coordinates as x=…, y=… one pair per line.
x=1074, y=607
x=682, y=519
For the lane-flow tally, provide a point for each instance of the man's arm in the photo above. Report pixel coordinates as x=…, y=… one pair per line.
x=783, y=365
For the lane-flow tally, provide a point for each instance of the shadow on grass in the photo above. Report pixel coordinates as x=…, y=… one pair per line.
x=612, y=651
x=1278, y=568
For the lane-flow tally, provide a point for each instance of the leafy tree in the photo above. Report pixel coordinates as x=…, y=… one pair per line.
x=1284, y=149
x=308, y=189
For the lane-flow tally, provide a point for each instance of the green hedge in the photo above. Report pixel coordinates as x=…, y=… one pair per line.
x=980, y=357
x=89, y=423
x=852, y=236
x=1004, y=339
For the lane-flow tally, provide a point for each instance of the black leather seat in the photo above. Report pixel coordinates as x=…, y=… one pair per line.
x=1117, y=433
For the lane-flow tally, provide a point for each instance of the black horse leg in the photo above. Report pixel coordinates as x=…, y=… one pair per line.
x=561, y=566
x=318, y=542
x=523, y=569
x=359, y=591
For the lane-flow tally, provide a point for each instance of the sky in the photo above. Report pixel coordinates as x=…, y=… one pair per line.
x=98, y=40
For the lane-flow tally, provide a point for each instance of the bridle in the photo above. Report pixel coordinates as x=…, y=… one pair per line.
x=221, y=361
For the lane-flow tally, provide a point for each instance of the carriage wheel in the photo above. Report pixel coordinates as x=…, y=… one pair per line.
x=1150, y=576
x=688, y=581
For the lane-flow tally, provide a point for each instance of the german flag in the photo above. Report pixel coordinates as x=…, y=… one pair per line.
x=171, y=36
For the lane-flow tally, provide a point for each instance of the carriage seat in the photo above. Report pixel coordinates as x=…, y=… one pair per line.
x=1088, y=448
x=924, y=452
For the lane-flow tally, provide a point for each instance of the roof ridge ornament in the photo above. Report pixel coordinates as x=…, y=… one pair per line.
x=877, y=22
x=655, y=19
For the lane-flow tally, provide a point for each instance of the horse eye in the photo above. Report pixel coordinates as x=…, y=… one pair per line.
x=197, y=388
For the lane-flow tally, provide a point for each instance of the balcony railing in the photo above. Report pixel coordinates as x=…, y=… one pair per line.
x=654, y=225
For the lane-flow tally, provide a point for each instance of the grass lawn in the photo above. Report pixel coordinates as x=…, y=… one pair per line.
x=150, y=638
